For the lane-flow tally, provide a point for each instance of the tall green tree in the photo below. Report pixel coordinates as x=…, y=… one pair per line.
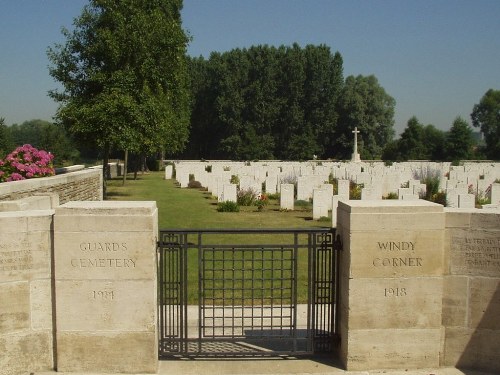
x=411, y=143
x=417, y=142
x=204, y=135
x=230, y=102
x=290, y=131
x=459, y=141
x=124, y=76
x=433, y=139
x=366, y=105
x=486, y=116
x=322, y=89
x=391, y=151
x=265, y=102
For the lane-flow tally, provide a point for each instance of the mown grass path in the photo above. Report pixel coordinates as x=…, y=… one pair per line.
x=197, y=209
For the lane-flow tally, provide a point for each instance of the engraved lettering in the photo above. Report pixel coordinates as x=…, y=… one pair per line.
x=396, y=246
x=395, y=292
x=103, y=246
x=477, y=254
x=397, y=262
x=102, y=263
x=16, y=259
x=103, y=294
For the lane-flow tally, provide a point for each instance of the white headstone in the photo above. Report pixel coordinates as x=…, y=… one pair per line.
x=169, y=169
x=304, y=188
x=343, y=189
x=371, y=193
x=466, y=201
x=271, y=184
x=495, y=193
x=420, y=189
x=286, y=196
x=229, y=193
x=404, y=191
x=320, y=207
x=452, y=198
x=182, y=176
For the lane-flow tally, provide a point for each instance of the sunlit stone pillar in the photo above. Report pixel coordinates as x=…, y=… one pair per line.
x=391, y=284
x=105, y=282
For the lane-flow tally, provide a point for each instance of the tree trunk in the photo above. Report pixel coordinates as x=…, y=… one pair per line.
x=144, y=164
x=136, y=166
x=125, y=166
x=105, y=168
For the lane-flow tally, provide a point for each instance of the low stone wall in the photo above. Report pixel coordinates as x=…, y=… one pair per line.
x=26, y=320
x=85, y=185
x=78, y=289
x=419, y=287
x=471, y=302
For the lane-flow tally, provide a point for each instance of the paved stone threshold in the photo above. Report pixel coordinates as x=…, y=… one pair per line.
x=275, y=367
x=270, y=366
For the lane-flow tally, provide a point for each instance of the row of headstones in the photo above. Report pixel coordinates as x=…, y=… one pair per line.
x=460, y=183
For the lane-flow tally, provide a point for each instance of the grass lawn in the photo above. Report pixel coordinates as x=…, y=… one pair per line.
x=197, y=209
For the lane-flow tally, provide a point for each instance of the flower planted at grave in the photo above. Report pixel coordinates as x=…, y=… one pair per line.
x=26, y=162
x=262, y=202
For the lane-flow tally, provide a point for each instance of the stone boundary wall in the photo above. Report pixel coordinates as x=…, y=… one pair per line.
x=471, y=303
x=26, y=302
x=85, y=185
x=464, y=310
x=71, y=284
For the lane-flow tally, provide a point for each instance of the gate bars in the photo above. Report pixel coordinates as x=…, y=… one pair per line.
x=242, y=285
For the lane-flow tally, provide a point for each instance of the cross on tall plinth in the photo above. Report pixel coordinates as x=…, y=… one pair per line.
x=355, y=155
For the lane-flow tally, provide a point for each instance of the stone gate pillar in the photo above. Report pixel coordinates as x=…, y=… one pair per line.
x=105, y=284
x=391, y=283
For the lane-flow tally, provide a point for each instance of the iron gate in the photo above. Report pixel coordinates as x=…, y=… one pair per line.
x=237, y=292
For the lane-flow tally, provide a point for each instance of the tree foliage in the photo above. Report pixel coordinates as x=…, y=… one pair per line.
x=364, y=104
x=6, y=142
x=486, y=116
x=286, y=103
x=419, y=142
x=46, y=136
x=459, y=141
x=434, y=140
x=267, y=102
x=413, y=144
x=124, y=76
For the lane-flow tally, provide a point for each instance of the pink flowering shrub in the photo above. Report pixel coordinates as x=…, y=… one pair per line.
x=26, y=162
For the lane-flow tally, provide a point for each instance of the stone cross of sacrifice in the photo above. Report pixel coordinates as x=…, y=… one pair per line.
x=355, y=131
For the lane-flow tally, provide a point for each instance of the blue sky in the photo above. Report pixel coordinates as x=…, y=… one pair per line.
x=436, y=58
